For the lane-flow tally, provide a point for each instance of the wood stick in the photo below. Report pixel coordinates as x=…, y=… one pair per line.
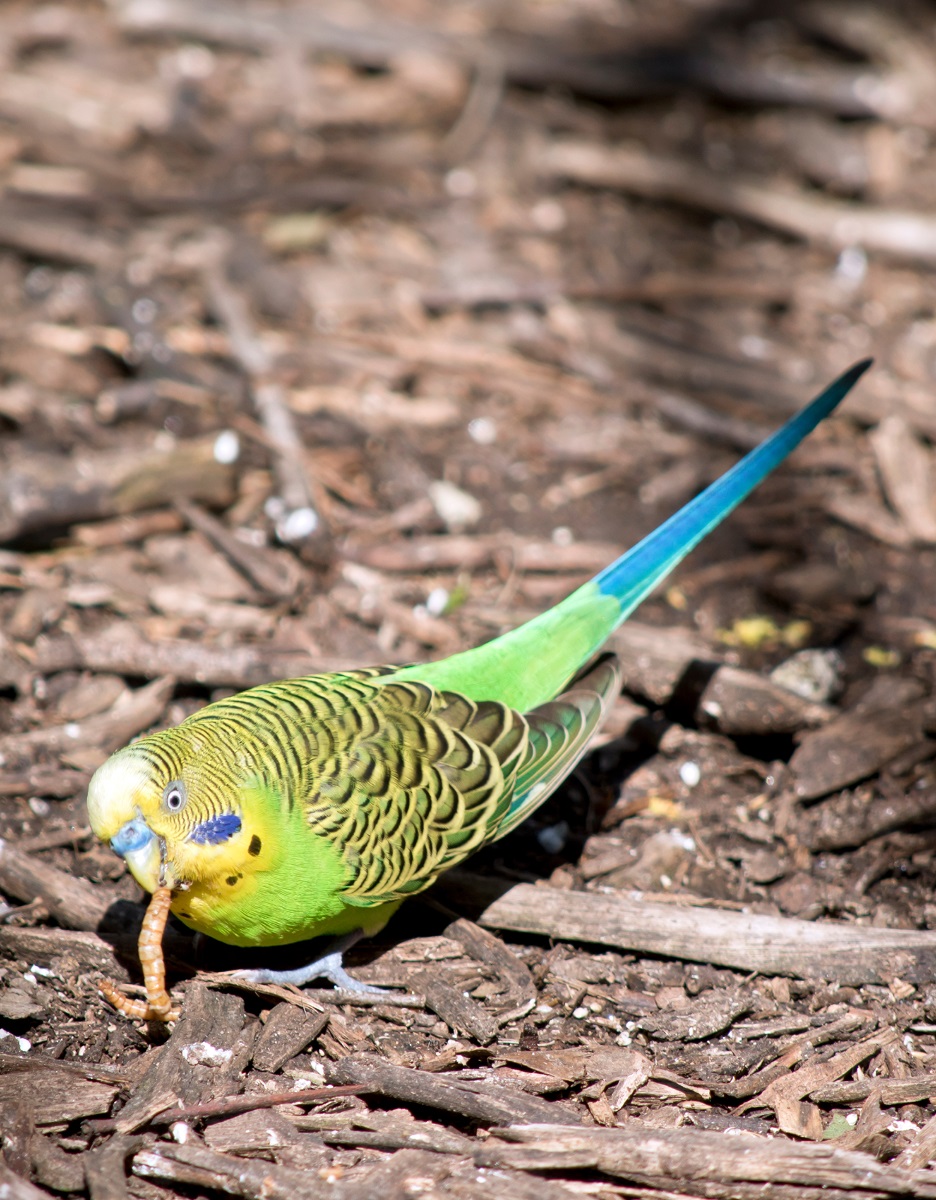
x=211, y=1171
x=59, y=240
x=466, y=551
x=14, y=1187
x=105, y=732
x=613, y=74
x=692, y=1158
x=426, y=1090
x=230, y=1106
x=268, y=573
x=834, y=223
x=72, y=901
x=43, y=493
x=746, y=941
x=123, y=650
x=301, y=518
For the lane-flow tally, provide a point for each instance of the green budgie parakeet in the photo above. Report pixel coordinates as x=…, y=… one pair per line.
x=315, y=806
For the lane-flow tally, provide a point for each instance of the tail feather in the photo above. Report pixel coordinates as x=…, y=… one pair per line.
x=530, y=665
x=637, y=572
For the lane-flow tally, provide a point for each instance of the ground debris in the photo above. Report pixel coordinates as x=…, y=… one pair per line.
x=754, y=942
x=329, y=341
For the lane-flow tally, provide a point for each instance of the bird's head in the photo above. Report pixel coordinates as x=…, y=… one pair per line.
x=171, y=808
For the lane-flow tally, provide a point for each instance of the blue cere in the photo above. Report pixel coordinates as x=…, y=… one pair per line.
x=131, y=837
x=216, y=829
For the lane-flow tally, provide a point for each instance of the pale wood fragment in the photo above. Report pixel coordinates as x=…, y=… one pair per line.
x=834, y=223
x=706, y=1163
x=746, y=941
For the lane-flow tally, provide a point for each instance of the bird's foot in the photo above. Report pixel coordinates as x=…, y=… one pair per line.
x=328, y=966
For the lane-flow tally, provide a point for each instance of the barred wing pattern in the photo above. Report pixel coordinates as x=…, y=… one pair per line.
x=437, y=778
x=404, y=779
x=423, y=781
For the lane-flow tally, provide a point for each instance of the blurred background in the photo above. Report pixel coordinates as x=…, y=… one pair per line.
x=334, y=333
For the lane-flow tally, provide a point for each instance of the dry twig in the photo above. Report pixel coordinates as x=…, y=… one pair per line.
x=746, y=941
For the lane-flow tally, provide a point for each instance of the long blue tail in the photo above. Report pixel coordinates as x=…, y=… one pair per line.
x=531, y=664
x=629, y=578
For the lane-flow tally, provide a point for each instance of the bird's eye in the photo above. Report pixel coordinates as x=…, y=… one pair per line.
x=174, y=797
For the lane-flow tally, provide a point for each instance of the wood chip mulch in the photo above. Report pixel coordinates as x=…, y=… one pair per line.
x=337, y=334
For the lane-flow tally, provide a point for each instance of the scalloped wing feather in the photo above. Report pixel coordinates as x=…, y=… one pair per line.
x=560, y=732
x=432, y=776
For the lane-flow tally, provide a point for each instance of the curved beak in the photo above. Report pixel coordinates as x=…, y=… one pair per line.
x=138, y=846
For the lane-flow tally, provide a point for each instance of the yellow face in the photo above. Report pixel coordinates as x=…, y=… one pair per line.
x=120, y=798
x=187, y=809
x=175, y=818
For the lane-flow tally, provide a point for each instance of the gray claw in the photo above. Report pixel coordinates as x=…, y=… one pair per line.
x=329, y=966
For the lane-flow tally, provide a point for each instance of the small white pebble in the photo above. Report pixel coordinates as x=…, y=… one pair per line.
x=195, y=62
x=595, y=1007
x=203, y=1054
x=623, y=1039
x=690, y=773
x=437, y=601
x=29, y=977
x=460, y=182
x=666, y=881
x=852, y=265
x=180, y=1132
x=580, y=1013
x=562, y=535
x=298, y=524
x=456, y=507
x=851, y=1119
x=811, y=674
x=544, y=1008
x=548, y=216
x=553, y=837
x=483, y=431
x=227, y=447
x=73, y=730
x=44, y=972
x=752, y=346
x=900, y=1126
x=144, y=310
x=23, y=1043
x=40, y=807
